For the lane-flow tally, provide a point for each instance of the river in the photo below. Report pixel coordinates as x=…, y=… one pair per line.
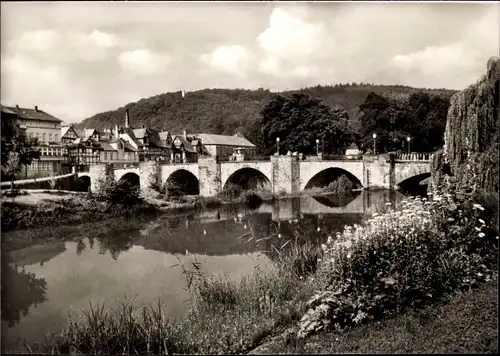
x=140, y=257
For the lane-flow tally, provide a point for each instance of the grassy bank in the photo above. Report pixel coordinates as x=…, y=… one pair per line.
x=466, y=322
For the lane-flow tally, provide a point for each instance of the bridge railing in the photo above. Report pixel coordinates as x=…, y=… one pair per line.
x=330, y=157
x=413, y=156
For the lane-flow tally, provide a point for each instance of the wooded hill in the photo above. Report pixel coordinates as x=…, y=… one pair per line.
x=225, y=111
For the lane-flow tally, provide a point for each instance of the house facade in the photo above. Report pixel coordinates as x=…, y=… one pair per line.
x=46, y=128
x=227, y=147
x=37, y=123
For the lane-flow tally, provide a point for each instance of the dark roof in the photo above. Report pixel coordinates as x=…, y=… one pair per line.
x=30, y=114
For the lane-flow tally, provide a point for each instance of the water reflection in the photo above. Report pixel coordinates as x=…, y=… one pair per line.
x=104, y=261
x=20, y=290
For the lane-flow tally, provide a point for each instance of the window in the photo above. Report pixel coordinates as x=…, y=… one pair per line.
x=38, y=135
x=105, y=156
x=56, y=137
x=43, y=137
x=50, y=137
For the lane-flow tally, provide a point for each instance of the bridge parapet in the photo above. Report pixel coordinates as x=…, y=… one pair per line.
x=413, y=156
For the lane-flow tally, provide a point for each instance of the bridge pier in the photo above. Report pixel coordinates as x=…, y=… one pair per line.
x=98, y=174
x=285, y=174
x=209, y=176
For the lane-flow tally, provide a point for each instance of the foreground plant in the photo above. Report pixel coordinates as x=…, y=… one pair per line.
x=402, y=259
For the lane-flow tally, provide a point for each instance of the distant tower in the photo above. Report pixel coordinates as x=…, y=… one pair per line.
x=183, y=93
x=126, y=118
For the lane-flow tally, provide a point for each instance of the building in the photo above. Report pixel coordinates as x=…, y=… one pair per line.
x=47, y=129
x=37, y=123
x=68, y=135
x=227, y=147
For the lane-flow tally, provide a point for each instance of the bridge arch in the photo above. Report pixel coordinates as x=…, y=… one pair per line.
x=328, y=175
x=248, y=178
x=84, y=182
x=412, y=184
x=183, y=181
x=132, y=178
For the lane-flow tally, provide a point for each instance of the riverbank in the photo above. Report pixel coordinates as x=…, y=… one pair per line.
x=41, y=208
x=419, y=258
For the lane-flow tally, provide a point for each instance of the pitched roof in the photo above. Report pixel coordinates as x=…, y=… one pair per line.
x=140, y=133
x=80, y=132
x=65, y=129
x=163, y=135
x=187, y=146
x=223, y=140
x=30, y=114
x=106, y=146
x=130, y=133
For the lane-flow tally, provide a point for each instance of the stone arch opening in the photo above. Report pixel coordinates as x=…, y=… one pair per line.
x=183, y=182
x=83, y=184
x=416, y=185
x=132, y=178
x=334, y=179
x=248, y=178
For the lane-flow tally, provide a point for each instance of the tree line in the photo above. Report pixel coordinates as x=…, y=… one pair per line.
x=299, y=120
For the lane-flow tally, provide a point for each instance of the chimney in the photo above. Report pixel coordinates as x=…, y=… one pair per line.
x=36, y=107
x=116, y=131
x=142, y=126
x=17, y=107
x=126, y=118
x=185, y=135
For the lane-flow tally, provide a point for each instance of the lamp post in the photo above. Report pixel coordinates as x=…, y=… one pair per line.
x=408, y=139
x=374, y=138
x=277, y=146
x=317, y=147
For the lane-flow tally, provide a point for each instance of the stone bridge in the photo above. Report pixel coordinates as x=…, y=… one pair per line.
x=282, y=174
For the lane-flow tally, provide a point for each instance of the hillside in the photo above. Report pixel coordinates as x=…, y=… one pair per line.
x=224, y=111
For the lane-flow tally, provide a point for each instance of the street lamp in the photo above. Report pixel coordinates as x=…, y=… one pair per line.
x=317, y=147
x=277, y=146
x=374, y=138
x=408, y=139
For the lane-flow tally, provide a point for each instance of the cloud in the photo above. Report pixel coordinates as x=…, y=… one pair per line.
x=290, y=37
x=143, y=62
x=235, y=59
x=39, y=40
x=290, y=44
x=101, y=39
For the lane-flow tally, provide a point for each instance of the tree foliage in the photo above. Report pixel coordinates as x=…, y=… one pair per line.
x=420, y=116
x=298, y=121
x=18, y=150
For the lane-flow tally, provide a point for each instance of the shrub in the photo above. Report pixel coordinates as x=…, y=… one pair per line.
x=341, y=185
x=121, y=192
x=401, y=259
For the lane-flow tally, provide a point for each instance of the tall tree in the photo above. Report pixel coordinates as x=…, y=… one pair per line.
x=298, y=121
x=18, y=150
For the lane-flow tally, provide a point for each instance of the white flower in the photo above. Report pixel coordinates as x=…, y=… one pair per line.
x=481, y=221
x=450, y=220
x=388, y=204
x=481, y=234
x=323, y=246
x=477, y=229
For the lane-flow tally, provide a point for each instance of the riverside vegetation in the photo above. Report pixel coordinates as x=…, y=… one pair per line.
x=397, y=261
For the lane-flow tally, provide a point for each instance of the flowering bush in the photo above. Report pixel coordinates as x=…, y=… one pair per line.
x=402, y=258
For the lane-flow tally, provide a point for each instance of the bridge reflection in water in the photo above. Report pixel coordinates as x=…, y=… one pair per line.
x=237, y=229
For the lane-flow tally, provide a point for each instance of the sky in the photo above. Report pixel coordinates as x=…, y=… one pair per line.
x=76, y=59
